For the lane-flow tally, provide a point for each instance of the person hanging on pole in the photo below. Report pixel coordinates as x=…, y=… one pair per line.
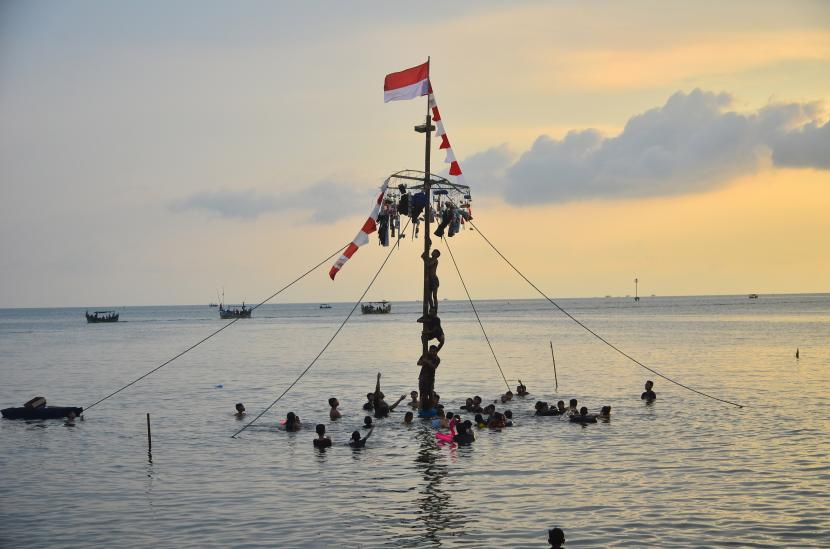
x=432, y=275
x=432, y=328
x=428, y=362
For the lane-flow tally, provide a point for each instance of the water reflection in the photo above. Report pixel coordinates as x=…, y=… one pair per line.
x=433, y=502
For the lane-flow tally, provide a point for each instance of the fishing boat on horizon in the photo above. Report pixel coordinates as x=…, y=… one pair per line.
x=240, y=311
x=376, y=308
x=101, y=316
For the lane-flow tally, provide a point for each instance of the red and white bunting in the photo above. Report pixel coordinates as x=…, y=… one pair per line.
x=362, y=236
x=455, y=168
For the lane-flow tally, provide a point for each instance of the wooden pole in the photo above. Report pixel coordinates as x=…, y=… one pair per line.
x=427, y=246
x=555, y=377
x=149, y=441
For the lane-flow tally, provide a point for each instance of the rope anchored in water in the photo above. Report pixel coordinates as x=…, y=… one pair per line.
x=596, y=335
x=326, y=346
x=266, y=300
x=447, y=244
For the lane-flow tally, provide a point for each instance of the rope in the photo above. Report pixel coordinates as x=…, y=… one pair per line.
x=269, y=298
x=326, y=346
x=447, y=244
x=590, y=331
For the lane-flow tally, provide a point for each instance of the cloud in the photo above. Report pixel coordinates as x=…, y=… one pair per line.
x=691, y=144
x=326, y=202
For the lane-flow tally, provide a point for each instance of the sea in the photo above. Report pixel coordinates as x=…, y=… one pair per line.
x=685, y=471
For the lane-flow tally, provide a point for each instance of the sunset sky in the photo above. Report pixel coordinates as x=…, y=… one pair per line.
x=154, y=152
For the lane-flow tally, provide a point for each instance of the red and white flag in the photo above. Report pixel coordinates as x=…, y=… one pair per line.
x=407, y=84
x=362, y=236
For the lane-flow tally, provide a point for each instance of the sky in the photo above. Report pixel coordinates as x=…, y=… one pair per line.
x=157, y=152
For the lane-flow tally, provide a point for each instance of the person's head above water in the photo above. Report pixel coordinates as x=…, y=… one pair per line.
x=414, y=395
x=320, y=430
x=333, y=402
x=407, y=418
x=583, y=411
x=240, y=407
x=556, y=537
x=508, y=414
x=367, y=420
x=355, y=435
x=649, y=385
x=573, y=402
x=561, y=404
x=370, y=396
x=479, y=418
x=476, y=400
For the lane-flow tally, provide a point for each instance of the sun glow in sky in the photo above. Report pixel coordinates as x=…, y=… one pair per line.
x=154, y=152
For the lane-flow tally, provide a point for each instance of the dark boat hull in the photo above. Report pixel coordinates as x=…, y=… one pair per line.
x=92, y=319
x=226, y=314
x=47, y=412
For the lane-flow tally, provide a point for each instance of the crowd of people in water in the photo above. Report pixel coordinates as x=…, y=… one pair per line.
x=461, y=431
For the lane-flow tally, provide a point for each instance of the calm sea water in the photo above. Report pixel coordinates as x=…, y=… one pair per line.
x=684, y=472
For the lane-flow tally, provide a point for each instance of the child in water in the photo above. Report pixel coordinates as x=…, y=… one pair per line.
x=240, y=410
x=605, y=413
x=649, y=395
x=584, y=416
x=556, y=538
x=464, y=435
x=322, y=441
x=407, y=418
x=358, y=442
x=521, y=390
x=292, y=422
x=367, y=423
x=334, y=413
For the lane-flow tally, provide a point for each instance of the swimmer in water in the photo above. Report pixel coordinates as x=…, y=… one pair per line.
x=605, y=412
x=649, y=395
x=521, y=390
x=468, y=405
x=556, y=538
x=367, y=423
x=70, y=419
x=369, y=406
x=240, y=410
x=441, y=421
x=497, y=421
x=508, y=418
x=584, y=416
x=384, y=409
x=560, y=406
x=407, y=418
x=480, y=423
x=358, y=442
x=292, y=422
x=322, y=441
x=334, y=413
x=464, y=435
x=414, y=402
x=572, y=407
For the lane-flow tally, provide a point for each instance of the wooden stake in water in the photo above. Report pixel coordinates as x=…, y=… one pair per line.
x=149, y=441
x=554, y=366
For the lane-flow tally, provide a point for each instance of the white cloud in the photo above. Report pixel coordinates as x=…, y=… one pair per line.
x=693, y=143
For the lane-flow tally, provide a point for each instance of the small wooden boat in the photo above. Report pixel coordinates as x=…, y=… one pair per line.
x=102, y=316
x=234, y=312
x=47, y=412
x=325, y=306
x=376, y=308
x=753, y=296
x=36, y=408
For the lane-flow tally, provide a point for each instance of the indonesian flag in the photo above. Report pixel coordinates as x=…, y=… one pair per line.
x=362, y=236
x=407, y=84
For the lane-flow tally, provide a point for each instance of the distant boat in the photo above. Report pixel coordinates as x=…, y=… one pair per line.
x=376, y=308
x=101, y=316
x=234, y=312
x=325, y=306
x=213, y=304
x=753, y=296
